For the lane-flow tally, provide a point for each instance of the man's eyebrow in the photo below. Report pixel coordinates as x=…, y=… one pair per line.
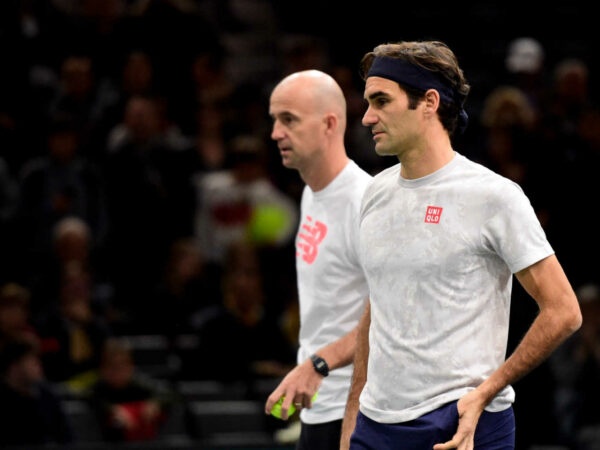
x=376, y=95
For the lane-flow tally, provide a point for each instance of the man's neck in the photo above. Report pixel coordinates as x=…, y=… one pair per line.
x=325, y=172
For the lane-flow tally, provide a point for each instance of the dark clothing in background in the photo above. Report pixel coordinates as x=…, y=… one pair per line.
x=228, y=349
x=33, y=420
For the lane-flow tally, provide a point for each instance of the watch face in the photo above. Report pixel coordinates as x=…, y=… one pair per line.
x=320, y=365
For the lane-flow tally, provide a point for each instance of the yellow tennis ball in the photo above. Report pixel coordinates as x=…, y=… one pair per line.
x=267, y=224
x=276, y=409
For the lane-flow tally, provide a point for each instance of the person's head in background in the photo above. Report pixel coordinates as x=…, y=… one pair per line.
x=15, y=313
x=525, y=64
x=117, y=366
x=247, y=155
x=571, y=83
x=20, y=366
x=589, y=300
x=72, y=240
x=138, y=74
x=185, y=263
x=77, y=76
x=63, y=139
x=525, y=57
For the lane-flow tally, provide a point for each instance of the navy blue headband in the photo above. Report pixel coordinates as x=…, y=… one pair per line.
x=406, y=73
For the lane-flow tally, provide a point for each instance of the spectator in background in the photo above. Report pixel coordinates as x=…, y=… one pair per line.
x=186, y=289
x=145, y=126
x=84, y=96
x=73, y=244
x=30, y=411
x=510, y=122
x=239, y=341
x=137, y=76
x=570, y=128
x=511, y=140
x=147, y=132
x=242, y=203
x=129, y=407
x=143, y=177
x=207, y=86
x=210, y=148
x=570, y=102
x=206, y=152
x=72, y=334
x=29, y=82
x=61, y=183
x=525, y=65
x=15, y=320
x=576, y=368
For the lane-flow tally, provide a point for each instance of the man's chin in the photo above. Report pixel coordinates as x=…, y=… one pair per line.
x=287, y=163
x=381, y=151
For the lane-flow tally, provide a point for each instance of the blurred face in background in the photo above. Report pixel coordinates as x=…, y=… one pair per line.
x=117, y=367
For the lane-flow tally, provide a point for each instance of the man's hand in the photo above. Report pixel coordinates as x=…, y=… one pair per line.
x=469, y=408
x=298, y=387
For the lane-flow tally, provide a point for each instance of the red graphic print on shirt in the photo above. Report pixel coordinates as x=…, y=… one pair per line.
x=433, y=214
x=309, y=238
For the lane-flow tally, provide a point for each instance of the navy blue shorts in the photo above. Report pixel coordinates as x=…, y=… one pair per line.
x=495, y=431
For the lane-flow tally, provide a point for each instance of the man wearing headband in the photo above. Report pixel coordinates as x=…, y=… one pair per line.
x=440, y=240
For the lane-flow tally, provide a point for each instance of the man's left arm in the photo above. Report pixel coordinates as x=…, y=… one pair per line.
x=559, y=317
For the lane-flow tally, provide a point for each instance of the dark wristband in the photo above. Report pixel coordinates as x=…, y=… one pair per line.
x=320, y=365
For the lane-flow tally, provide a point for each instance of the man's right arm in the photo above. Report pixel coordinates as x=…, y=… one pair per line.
x=303, y=381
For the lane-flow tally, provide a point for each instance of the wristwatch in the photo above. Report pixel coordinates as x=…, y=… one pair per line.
x=320, y=365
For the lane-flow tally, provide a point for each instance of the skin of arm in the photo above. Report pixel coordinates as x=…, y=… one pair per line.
x=559, y=317
x=302, y=382
x=359, y=377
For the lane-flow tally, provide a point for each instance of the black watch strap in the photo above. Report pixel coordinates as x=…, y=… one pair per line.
x=320, y=365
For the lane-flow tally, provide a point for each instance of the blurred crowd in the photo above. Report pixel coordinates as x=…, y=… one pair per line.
x=140, y=194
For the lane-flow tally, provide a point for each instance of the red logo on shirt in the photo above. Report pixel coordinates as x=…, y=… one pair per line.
x=433, y=214
x=309, y=238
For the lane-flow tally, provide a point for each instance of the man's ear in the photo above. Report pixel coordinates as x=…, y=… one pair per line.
x=432, y=100
x=331, y=122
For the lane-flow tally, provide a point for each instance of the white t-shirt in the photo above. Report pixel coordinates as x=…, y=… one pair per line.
x=331, y=284
x=439, y=253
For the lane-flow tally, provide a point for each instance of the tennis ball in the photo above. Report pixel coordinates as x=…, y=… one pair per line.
x=276, y=409
x=267, y=224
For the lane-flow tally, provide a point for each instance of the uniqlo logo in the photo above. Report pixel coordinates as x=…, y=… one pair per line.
x=309, y=238
x=433, y=214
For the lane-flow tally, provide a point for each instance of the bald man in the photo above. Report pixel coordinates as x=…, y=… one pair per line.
x=308, y=109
